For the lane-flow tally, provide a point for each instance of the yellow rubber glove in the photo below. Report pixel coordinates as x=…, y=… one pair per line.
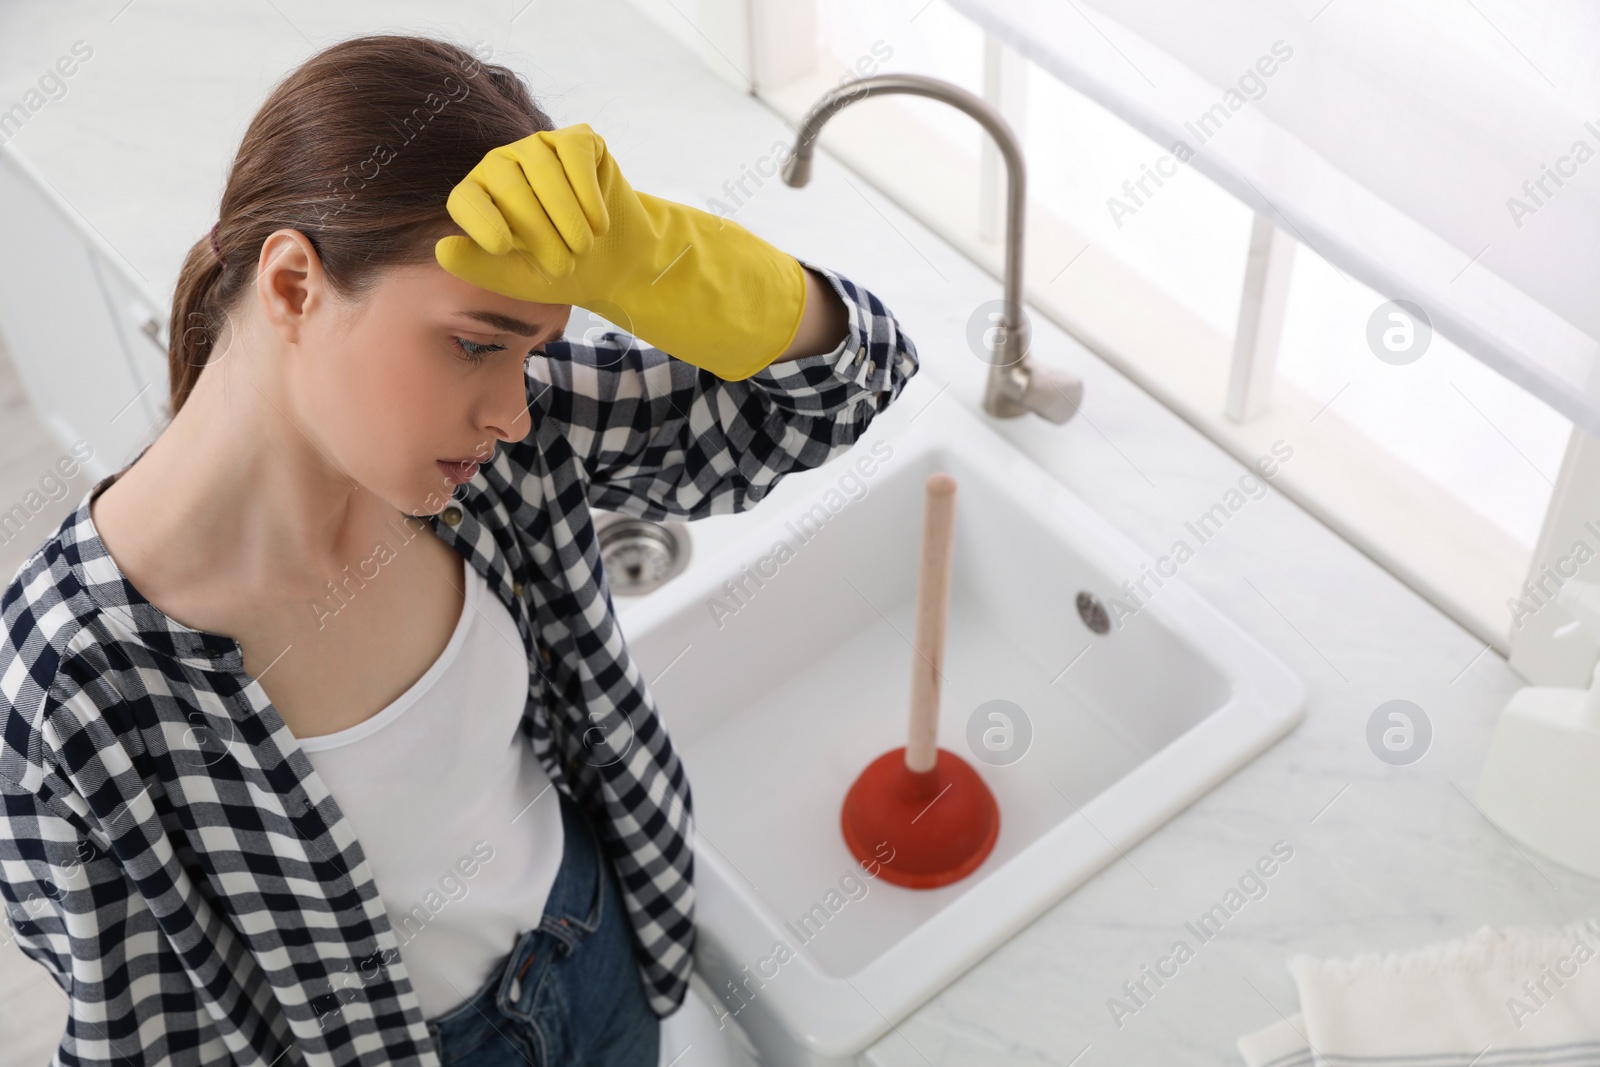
x=551, y=219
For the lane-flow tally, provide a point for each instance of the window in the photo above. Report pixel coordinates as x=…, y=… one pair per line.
x=1440, y=468
x=1182, y=233
x=1446, y=416
x=880, y=38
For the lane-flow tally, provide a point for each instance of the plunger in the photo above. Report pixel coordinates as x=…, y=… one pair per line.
x=920, y=812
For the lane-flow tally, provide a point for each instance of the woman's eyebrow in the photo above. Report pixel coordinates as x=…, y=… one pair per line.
x=505, y=323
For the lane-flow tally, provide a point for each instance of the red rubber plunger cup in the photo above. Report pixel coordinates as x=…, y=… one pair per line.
x=920, y=812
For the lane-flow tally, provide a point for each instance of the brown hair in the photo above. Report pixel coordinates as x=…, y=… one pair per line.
x=357, y=149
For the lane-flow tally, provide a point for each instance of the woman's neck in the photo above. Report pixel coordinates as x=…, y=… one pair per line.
x=234, y=487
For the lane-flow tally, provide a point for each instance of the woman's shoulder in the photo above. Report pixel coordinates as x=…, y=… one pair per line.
x=39, y=606
x=47, y=636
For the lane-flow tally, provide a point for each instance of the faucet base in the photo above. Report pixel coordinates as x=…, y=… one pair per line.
x=1029, y=386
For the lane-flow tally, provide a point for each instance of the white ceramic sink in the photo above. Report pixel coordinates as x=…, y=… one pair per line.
x=776, y=706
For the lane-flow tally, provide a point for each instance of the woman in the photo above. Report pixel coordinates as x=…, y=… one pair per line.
x=283, y=700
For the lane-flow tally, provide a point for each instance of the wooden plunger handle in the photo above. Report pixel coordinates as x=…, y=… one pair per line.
x=933, y=610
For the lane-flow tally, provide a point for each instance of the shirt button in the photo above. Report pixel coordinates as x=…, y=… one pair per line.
x=451, y=514
x=516, y=587
x=544, y=654
x=872, y=366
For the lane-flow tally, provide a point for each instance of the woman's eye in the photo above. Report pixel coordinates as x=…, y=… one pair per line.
x=473, y=351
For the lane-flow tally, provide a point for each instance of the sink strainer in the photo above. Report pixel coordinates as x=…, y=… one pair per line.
x=640, y=555
x=1093, y=613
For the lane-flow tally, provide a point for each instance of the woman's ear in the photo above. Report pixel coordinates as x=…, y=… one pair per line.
x=290, y=283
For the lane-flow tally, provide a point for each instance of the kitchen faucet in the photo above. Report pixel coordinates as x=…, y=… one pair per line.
x=1016, y=384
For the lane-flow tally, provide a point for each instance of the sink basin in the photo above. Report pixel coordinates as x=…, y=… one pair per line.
x=781, y=664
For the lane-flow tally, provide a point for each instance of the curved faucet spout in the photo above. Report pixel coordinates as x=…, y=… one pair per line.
x=1016, y=384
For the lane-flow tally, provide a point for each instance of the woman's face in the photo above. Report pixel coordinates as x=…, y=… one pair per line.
x=424, y=368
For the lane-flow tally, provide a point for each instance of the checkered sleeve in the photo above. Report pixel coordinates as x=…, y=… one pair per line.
x=36, y=846
x=663, y=438
x=63, y=894
x=70, y=903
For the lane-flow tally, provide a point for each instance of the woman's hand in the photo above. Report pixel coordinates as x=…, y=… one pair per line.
x=551, y=219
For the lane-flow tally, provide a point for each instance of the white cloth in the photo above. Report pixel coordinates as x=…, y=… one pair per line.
x=1529, y=996
x=456, y=815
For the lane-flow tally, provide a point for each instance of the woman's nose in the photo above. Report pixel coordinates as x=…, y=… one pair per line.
x=507, y=409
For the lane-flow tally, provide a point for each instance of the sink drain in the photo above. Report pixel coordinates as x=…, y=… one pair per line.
x=1093, y=613
x=640, y=555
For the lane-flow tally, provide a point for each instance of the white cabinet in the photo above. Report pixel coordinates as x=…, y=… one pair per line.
x=144, y=337
x=72, y=322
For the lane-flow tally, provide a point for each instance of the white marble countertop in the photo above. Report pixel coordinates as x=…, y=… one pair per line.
x=1385, y=858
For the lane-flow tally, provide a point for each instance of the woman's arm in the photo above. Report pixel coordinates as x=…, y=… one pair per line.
x=658, y=437
x=66, y=908
x=823, y=324
x=70, y=902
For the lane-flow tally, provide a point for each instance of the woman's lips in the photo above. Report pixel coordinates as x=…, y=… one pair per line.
x=458, y=471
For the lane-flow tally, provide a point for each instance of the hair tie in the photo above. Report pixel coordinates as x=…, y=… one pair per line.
x=216, y=249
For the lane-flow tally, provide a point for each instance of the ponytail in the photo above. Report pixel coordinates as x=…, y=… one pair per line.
x=199, y=309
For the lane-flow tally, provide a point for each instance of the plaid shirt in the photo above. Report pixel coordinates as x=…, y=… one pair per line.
x=168, y=853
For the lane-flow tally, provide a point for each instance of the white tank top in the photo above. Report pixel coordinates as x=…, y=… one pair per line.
x=458, y=819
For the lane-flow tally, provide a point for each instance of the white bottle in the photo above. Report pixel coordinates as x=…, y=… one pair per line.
x=1541, y=782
